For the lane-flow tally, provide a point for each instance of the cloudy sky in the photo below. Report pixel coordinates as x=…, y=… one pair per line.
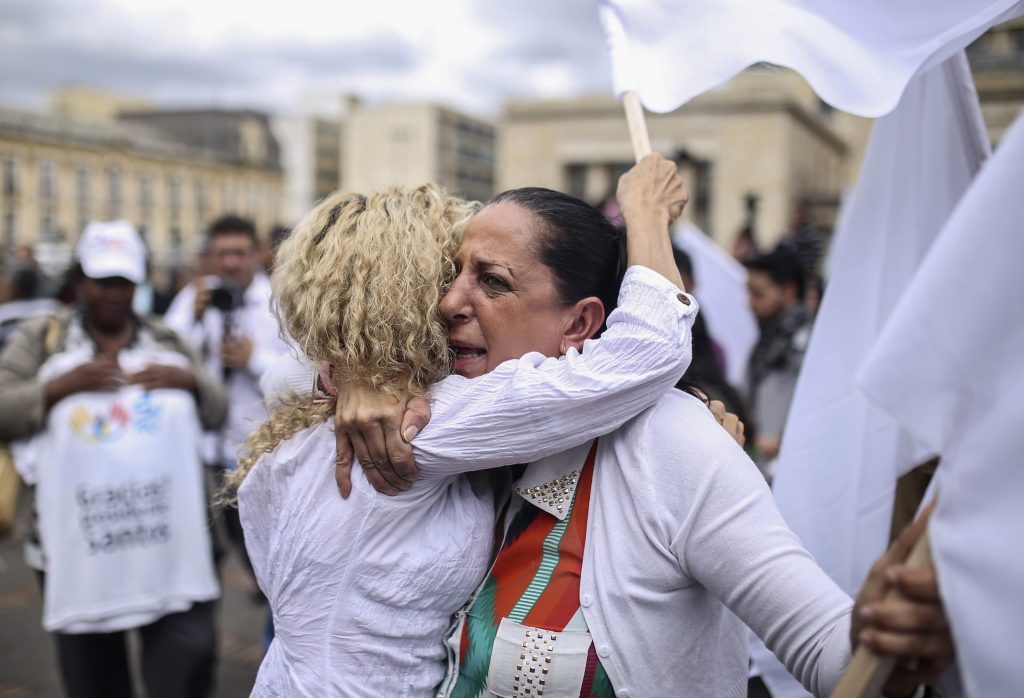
x=284, y=55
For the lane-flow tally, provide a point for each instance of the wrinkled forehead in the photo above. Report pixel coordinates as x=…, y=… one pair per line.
x=503, y=233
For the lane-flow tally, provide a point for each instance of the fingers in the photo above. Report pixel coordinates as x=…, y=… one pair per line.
x=729, y=421
x=919, y=583
x=381, y=451
x=909, y=675
x=902, y=615
x=878, y=582
x=374, y=476
x=416, y=417
x=343, y=463
x=398, y=451
x=734, y=426
x=896, y=644
x=903, y=544
x=717, y=408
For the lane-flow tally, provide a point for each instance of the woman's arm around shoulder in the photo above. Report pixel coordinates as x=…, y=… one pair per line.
x=537, y=406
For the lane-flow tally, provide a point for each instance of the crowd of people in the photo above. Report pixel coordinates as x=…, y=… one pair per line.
x=444, y=345
x=123, y=425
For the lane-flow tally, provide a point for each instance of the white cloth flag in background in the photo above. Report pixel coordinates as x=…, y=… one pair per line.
x=949, y=367
x=722, y=290
x=841, y=455
x=858, y=55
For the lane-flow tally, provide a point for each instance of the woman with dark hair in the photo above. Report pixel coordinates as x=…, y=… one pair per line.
x=363, y=589
x=629, y=564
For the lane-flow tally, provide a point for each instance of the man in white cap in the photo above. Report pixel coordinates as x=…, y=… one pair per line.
x=105, y=404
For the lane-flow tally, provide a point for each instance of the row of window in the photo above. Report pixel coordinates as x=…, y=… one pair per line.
x=114, y=179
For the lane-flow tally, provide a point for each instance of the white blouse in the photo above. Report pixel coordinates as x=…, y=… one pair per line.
x=362, y=590
x=684, y=545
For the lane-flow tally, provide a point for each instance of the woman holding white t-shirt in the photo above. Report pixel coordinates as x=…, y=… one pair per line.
x=362, y=590
x=625, y=559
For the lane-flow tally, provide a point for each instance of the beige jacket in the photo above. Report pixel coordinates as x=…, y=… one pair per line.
x=22, y=399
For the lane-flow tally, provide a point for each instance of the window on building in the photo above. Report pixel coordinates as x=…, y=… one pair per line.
x=83, y=189
x=83, y=196
x=47, y=180
x=114, y=193
x=145, y=191
x=176, y=254
x=47, y=230
x=202, y=200
x=10, y=177
x=10, y=229
x=174, y=195
x=577, y=180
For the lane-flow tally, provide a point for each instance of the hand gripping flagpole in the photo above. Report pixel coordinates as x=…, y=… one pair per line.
x=637, y=125
x=868, y=671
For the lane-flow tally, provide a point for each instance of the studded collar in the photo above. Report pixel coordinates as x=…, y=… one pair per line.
x=550, y=483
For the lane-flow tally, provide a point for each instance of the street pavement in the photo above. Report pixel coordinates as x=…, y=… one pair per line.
x=27, y=663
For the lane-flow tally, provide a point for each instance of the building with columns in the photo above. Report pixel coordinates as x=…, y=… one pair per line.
x=59, y=171
x=763, y=137
x=412, y=143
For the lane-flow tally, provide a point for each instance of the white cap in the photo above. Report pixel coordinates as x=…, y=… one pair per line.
x=112, y=248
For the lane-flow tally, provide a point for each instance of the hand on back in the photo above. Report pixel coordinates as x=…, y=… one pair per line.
x=378, y=429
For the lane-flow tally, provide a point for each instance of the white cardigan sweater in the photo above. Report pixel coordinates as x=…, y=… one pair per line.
x=684, y=546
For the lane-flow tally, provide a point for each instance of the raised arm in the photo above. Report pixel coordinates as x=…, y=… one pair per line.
x=537, y=406
x=652, y=197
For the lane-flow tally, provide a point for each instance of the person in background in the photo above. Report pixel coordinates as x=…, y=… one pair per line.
x=707, y=369
x=23, y=300
x=814, y=292
x=150, y=299
x=278, y=234
x=99, y=386
x=227, y=318
x=775, y=285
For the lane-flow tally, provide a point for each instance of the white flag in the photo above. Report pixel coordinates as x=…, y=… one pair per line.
x=858, y=55
x=949, y=367
x=722, y=291
x=841, y=454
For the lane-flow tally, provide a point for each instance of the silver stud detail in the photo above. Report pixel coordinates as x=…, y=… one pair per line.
x=555, y=494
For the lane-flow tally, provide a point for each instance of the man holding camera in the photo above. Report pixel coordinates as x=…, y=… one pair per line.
x=227, y=318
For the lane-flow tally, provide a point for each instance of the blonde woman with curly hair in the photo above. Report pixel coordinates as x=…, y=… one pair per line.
x=363, y=589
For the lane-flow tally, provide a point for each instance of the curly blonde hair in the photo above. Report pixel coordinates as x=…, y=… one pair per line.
x=358, y=285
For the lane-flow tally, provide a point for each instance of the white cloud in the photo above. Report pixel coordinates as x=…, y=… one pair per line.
x=274, y=54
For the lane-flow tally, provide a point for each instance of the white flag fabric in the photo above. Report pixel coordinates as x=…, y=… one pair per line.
x=722, y=290
x=857, y=55
x=949, y=367
x=841, y=454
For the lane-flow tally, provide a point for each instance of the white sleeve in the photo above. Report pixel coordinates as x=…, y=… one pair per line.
x=260, y=499
x=732, y=539
x=537, y=406
x=268, y=345
x=180, y=317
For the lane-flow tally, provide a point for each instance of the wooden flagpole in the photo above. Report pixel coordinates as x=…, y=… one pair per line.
x=868, y=671
x=637, y=125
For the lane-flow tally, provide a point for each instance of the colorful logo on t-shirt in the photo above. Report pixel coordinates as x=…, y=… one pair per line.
x=100, y=427
x=104, y=426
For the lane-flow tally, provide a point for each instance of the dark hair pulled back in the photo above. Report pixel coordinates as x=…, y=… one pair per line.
x=582, y=248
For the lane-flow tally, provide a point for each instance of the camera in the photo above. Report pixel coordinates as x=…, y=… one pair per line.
x=226, y=298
